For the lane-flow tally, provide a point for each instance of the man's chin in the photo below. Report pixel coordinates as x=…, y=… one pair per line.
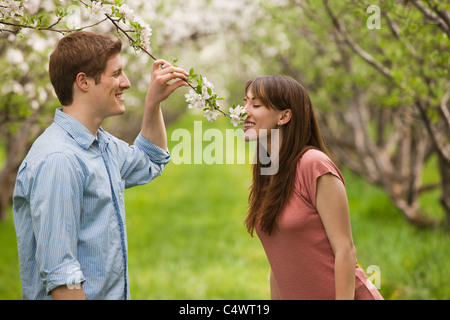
x=120, y=110
x=116, y=112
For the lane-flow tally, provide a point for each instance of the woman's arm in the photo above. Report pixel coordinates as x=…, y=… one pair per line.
x=332, y=205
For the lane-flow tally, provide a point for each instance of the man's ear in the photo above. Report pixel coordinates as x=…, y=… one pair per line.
x=82, y=81
x=286, y=116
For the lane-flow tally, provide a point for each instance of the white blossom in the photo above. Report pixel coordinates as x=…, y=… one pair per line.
x=126, y=11
x=14, y=56
x=97, y=10
x=211, y=115
x=237, y=115
x=11, y=9
x=195, y=100
x=235, y=120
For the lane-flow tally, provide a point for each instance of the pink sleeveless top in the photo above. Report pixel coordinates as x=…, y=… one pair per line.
x=298, y=249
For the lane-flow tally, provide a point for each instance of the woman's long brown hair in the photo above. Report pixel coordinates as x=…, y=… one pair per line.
x=270, y=193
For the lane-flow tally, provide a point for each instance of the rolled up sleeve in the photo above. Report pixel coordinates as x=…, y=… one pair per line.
x=67, y=273
x=142, y=162
x=157, y=154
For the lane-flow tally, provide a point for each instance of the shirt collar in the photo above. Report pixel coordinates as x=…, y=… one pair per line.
x=102, y=136
x=77, y=131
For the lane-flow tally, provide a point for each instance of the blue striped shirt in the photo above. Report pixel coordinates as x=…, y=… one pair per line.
x=69, y=211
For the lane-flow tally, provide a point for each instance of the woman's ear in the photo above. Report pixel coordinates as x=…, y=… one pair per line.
x=82, y=81
x=286, y=116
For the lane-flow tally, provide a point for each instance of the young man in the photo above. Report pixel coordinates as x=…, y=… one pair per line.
x=68, y=201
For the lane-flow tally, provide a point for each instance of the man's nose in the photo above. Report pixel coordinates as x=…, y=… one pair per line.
x=125, y=83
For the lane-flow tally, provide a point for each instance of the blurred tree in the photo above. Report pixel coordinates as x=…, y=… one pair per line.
x=382, y=95
x=26, y=103
x=421, y=70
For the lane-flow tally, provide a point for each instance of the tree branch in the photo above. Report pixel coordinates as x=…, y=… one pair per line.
x=445, y=109
x=434, y=16
x=354, y=46
x=442, y=149
x=50, y=28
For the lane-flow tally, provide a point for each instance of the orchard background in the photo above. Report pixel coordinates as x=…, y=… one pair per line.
x=377, y=73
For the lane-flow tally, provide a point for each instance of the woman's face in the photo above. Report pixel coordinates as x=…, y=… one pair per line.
x=260, y=119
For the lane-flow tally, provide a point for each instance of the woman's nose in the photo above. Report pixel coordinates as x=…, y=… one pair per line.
x=246, y=108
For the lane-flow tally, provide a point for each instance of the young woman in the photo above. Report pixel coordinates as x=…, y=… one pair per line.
x=300, y=212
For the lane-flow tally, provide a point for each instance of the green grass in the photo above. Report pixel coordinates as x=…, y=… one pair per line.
x=413, y=262
x=187, y=240
x=9, y=265
x=186, y=234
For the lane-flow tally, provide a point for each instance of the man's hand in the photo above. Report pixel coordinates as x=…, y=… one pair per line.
x=153, y=128
x=164, y=82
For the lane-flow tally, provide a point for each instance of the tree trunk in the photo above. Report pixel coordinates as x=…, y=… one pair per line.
x=17, y=146
x=7, y=180
x=444, y=168
x=395, y=164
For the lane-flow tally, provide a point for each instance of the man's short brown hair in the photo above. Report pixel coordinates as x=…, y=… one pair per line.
x=77, y=52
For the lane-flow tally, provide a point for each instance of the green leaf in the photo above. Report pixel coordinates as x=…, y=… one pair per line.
x=173, y=61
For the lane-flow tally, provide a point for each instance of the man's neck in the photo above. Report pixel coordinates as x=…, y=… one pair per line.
x=90, y=121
